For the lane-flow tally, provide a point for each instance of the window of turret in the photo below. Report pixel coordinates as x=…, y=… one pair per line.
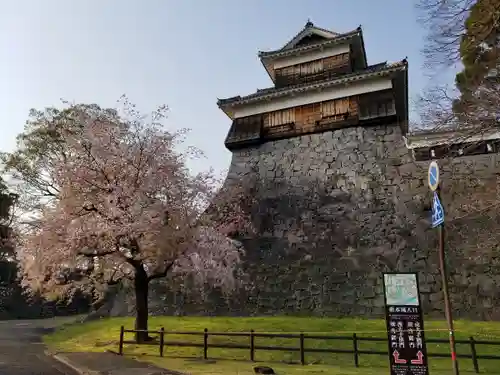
x=283, y=117
x=311, y=68
x=377, y=105
x=335, y=107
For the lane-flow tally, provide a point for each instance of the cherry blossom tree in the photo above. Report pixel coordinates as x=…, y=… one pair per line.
x=126, y=208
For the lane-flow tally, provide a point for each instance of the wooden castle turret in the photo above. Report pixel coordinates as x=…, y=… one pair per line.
x=322, y=82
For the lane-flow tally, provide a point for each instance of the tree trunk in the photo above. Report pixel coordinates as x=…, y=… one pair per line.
x=141, y=287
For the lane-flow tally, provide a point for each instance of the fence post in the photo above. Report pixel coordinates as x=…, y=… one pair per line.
x=162, y=340
x=355, y=347
x=120, y=345
x=252, y=345
x=205, y=343
x=474, y=354
x=302, y=356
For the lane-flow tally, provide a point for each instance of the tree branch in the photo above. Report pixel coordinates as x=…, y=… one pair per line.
x=112, y=282
x=162, y=274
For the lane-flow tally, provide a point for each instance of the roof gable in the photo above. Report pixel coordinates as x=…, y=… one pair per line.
x=309, y=34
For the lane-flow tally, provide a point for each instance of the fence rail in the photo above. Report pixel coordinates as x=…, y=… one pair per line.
x=301, y=348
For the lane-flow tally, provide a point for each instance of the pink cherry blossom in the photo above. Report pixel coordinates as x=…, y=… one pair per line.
x=128, y=208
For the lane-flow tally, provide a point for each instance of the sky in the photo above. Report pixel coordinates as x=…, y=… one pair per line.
x=182, y=53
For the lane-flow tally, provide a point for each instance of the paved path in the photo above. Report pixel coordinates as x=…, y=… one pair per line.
x=110, y=364
x=22, y=351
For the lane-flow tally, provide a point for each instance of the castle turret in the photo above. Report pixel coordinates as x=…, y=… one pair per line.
x=341, y=186
x=322, y=81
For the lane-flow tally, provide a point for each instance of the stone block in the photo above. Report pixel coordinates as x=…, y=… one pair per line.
x=360, y=188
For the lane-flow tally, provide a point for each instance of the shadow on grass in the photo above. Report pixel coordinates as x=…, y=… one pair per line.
x=199, y=366
x=103, y=335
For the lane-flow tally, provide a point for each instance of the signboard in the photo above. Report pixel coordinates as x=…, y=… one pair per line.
x=437, y=211
x=433, y=176
x=405, y=325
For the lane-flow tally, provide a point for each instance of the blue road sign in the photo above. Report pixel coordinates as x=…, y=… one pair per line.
x=437, y=212
x=433, y=176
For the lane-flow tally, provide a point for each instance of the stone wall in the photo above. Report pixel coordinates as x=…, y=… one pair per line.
x=338, y=208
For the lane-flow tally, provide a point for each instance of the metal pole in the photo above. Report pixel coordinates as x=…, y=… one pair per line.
x=446, y=295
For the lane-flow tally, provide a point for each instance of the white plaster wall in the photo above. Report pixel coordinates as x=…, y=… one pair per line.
x=358, y=88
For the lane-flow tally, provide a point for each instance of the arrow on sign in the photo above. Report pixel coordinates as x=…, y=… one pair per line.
x=437, y=212
x=419, y=360
x=395, y=354
x=433, y=176
x=433, y=179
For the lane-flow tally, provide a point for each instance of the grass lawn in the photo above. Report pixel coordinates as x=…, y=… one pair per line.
x=104, y=335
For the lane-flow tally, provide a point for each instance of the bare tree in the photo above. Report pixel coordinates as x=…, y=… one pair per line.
x=465, y=115
x=462, y=32
x=444, y=21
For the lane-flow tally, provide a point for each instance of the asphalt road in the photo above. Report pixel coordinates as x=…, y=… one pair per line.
x=22, y=350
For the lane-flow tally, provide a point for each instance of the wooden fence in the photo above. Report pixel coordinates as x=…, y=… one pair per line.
x=301, y=348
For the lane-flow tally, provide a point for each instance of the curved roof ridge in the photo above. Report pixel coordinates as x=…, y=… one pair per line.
x=307, y=30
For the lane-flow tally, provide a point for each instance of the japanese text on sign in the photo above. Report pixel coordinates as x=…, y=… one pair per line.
x=405, y=326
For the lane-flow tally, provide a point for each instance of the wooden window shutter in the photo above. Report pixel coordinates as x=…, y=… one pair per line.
x=341, y=106
x=311, y=67
x=304, y=69
x=328, y=108
x=282, y=117
x=266, y=120
x=274, y=118
x=288, y=116
x=317, y=66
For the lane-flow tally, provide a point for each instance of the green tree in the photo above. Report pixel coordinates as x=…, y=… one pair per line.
x=464, y=33
x=479, y=54
x=7, y=203
x=8, y=269
x=39, y=146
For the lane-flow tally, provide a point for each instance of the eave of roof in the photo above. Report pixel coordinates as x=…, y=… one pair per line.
x=430, y=138
x=270, y=93
x=268, y=55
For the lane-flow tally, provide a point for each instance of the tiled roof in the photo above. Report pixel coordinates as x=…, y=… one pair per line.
x=450, y=134
x=290, y=50
x=308, y=29
x=273, y=92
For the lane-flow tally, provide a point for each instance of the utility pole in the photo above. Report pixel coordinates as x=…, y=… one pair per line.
x=438, y=222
